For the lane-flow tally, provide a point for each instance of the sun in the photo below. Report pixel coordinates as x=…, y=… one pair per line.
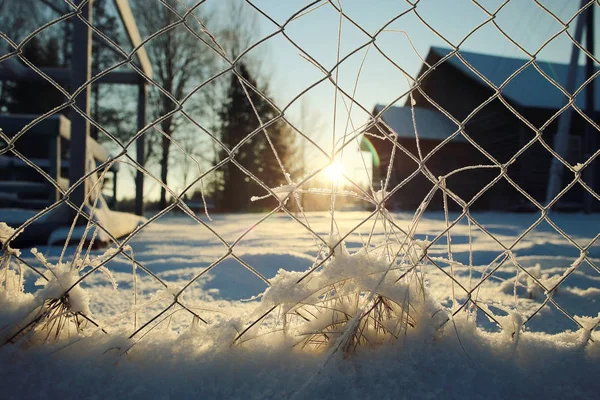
x=334, y=172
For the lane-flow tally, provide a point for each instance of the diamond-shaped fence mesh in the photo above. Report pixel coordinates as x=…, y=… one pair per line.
x=459, y=133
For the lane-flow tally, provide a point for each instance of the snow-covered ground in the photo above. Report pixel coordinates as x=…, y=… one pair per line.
x=469, y=357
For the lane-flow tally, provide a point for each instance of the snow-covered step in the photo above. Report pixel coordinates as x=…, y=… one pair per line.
x=31, y=187
x=23, y=187
x=10, y=200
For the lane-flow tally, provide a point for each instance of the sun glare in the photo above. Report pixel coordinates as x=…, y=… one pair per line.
x=334, y=172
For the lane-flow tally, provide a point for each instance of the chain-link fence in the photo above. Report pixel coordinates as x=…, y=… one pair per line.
x=464, y=132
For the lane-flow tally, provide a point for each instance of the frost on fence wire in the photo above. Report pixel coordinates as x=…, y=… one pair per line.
x=367, y=277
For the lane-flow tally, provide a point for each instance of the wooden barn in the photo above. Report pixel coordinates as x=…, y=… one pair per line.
x=453, y=87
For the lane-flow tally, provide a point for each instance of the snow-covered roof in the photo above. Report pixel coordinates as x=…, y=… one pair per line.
x=529, y=88
x=431, y=124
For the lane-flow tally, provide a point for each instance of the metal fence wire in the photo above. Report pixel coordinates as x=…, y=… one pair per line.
x=416, y=174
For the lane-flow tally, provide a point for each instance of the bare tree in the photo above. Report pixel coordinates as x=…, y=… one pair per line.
x=180, y=62
x=18, y=18
x=238, y=27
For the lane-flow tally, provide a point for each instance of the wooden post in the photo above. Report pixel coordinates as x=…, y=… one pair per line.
x=54, y=157
x=140, y=149
x=114, y=201
x=589, y=139
x=81, y=71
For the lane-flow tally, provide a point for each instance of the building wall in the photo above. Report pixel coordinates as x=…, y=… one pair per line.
x=502, y=134
x=493, y=128
x=499, y=133
x=448, y=158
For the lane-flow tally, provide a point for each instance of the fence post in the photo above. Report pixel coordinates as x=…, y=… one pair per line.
x=561, y=138
x=589, y=138
x=81, y=71
x=140, y=149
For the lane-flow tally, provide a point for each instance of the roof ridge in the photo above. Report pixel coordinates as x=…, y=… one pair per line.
x=529, y=88
x=446, y=50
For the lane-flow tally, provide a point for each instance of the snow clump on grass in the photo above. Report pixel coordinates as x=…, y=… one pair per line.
x=358, y=299
x=60, y=309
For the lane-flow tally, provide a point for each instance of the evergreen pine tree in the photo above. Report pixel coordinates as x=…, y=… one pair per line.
x=238, y=120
